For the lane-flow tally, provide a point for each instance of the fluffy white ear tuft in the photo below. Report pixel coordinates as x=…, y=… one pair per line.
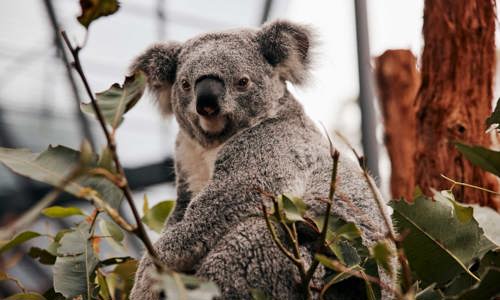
x=287, y=47
x=159, y=63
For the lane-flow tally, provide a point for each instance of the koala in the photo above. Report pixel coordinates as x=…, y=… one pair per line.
x=242, y=131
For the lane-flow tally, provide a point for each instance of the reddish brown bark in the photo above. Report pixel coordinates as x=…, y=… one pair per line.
x=456, y=94
x=398, y=82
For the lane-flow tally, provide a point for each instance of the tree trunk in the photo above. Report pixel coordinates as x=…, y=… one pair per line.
x=456, y=94
x=398, y=82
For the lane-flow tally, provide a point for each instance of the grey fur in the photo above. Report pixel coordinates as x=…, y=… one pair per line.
x=267, y=142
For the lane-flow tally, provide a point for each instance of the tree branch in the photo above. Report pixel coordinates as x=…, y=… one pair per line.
x=139, y=230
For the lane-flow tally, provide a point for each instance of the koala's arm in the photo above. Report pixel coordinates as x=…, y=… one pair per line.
x=183, y=196
x=249, y=163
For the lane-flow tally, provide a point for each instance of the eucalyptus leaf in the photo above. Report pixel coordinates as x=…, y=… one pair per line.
x=94, y=9
x=53, y=166
x=382, y=253
x=109, y=228
x=486, y=159
x=157, y=215
x=26, y=296
x=117, y=100
x=436, y=238
x=62, y=212
x=487, y=288
x=258, y=294
x=75, y=264
x=292, y=212
x=17, y=240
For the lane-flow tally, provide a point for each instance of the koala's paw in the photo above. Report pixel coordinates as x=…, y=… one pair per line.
x=143, y=288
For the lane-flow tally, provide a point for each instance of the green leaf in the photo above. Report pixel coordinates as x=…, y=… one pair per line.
x=111, y=229
x=53, y=167
x=486, y=159
x=44, y=257
x=75, y=264
x=487, y=288
x=103, y=287
x=258, y=294
x=157, y=215
x=293, y=212
x=125, y=272
x=429, y=293
x=464, y=213
x=94, y=9
x=436, y=238
x=86, y=154
x=62, y=212
x=17, y=240
x=348, y=231
x=382, y=254
x=26, y=296
x=117, y=100
x=61, y=233
x=106, y=160
x=145, y=205
x=495, y=116
x=345, y=252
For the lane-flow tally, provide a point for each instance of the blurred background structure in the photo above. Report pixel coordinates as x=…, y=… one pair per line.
x=38, y=95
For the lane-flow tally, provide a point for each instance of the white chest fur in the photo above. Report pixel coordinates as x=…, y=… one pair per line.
x=195, y=161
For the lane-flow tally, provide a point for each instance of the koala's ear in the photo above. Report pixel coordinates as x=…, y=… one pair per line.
x=159, y=63
x=287, y=47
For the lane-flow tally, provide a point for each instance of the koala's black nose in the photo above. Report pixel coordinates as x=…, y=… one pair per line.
x=209, y=90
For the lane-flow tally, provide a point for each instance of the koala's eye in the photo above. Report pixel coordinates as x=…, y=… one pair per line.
x=243, y=82
x=185, y=85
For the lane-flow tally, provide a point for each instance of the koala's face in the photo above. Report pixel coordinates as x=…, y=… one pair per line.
x=220, y=83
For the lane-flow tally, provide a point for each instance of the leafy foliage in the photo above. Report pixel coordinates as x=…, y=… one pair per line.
x=94, y=9
x=117, y=100
x=486, y=159
x=19, y=239
x=56, y=165
x=156, y=216
x=75, y=264
x=61, y=212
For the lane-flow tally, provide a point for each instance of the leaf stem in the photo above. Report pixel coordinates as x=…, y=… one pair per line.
x=454, y=182
x=407, y=277
x=362, y=275
x=335, y=155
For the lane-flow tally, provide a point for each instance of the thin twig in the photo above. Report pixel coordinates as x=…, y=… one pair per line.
x=337, y=266
x=335, y=155
x=116, y=179
x=469, y=185
x=407, y=277
x=139, y=230
x=276, y=239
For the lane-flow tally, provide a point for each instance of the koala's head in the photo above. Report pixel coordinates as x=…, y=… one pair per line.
x=219, y=83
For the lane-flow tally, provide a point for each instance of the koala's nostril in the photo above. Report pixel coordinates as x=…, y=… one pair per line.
x=206, y=105
x=209, y=91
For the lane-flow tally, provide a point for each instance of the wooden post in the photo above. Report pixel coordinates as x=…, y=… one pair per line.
x=398, y=82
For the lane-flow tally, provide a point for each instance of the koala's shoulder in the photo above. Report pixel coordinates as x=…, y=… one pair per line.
x=287, y=138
